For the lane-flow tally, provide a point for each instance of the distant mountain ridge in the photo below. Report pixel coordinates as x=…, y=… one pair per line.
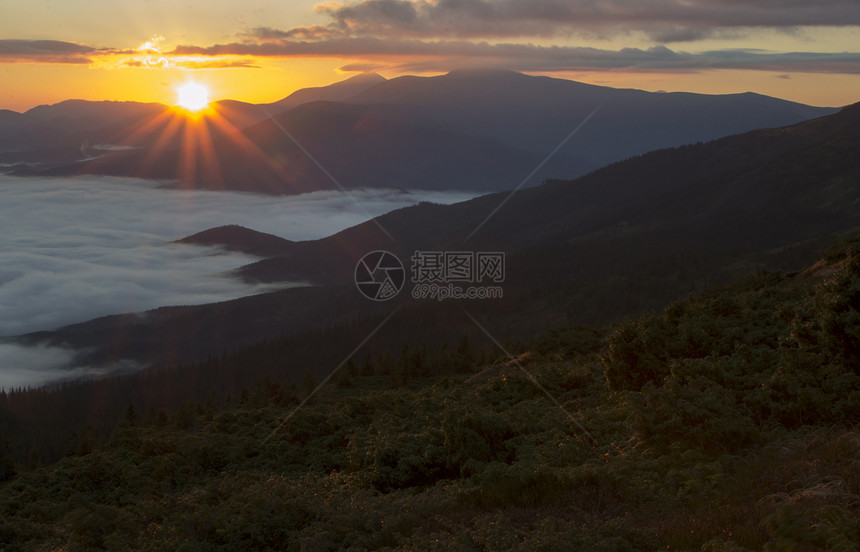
x=337, y=92
x=536, y=113
x=479, y=130
x=63, y=123
x=348, y=149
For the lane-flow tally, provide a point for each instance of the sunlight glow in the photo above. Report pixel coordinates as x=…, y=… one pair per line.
x=192, y=96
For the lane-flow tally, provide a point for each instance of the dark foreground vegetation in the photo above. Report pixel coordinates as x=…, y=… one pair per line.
x=728, y=422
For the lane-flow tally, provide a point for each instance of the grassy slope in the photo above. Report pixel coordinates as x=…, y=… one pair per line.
x=727, y=422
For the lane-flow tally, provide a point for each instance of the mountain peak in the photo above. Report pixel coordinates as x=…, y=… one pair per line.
x=233, y=237
x=337, y=92
x=366, y=77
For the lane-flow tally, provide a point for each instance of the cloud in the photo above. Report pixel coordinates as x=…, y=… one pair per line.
x=663, y=20
x=33, y=366
x=148, y=55
x=216, y=64
x=138, y=63
x=361, y=67
x=445, y=55
x=45, y=51
x=439, y=35
x=76, y=249
x=170, y=63
x=313, y=32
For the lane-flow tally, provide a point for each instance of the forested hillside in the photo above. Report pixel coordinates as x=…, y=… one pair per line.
x=726, y=422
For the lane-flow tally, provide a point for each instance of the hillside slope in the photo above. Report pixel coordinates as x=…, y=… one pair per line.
x=287, y=154
x=233, y=237
x=759, y=190
x=727, y=422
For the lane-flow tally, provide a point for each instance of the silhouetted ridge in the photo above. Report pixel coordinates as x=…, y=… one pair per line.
x=238, y=238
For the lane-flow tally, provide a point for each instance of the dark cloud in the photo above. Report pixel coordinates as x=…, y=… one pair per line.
x=55, y=51
x=45, y=51
x=444, y=55
x=216, y=64
x=361, y=67
x=664, y=20
x=444, y=34
x=314, y=32
x=437, y=35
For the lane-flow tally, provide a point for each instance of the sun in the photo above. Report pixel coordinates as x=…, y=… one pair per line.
x=192, y=96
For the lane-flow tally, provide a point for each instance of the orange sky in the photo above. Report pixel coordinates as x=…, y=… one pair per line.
x=261, y=50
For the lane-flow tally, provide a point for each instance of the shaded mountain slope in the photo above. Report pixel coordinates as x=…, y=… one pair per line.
x=337, y=92
x=359, y=152
x=67, y=124
x=172, y=335
x=87, y=115
x=757, y=190
x=537, y=113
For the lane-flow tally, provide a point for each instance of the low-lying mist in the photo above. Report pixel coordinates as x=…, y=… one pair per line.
x=76, y=249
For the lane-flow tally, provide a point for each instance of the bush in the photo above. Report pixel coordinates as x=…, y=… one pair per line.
x=829, y=529
x=695, y=414
x=637, y=353
x=837, y=304
x=475, y=434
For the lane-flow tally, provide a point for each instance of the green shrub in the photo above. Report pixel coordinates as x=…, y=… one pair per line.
x=837, y=304
x=637, y=353
x=830, y=529
x=474, y=434
x=698, y=413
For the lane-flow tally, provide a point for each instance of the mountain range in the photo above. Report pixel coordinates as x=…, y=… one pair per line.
x=475, y=130
x=626, y=238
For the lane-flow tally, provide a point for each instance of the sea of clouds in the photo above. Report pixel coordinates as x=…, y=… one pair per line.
x=75, y=249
